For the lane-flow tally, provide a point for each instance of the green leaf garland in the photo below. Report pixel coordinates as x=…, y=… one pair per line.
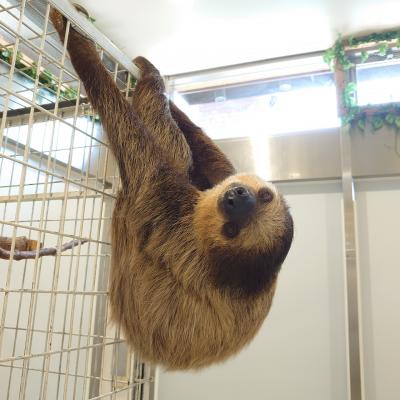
x=376, y=117
x=360, y=117
x=46, y=78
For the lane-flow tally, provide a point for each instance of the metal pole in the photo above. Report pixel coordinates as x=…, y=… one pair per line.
x=350, y=244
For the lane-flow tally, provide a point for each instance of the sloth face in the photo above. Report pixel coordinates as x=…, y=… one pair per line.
x=242, y=211
x=245, y=226
x=239, y=204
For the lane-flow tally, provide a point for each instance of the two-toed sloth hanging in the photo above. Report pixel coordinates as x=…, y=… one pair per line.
x=196, y=248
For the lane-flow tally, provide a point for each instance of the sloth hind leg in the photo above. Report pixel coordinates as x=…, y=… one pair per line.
x=152, y=106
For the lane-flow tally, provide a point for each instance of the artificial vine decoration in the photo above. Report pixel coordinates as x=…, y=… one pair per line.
x=386, y=115
x=337, y=53
x=336, y=57
x=46, y=78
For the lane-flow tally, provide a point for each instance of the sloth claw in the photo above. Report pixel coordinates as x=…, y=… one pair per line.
x=58, y=20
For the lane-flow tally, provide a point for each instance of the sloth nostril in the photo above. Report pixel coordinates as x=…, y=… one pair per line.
x=241, y=191
x=230, y=202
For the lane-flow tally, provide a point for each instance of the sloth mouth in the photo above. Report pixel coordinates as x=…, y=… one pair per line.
x=230, y=230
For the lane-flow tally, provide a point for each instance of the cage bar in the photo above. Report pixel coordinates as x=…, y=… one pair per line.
x=58, y=182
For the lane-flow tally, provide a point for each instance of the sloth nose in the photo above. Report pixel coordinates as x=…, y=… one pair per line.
x=238, y=203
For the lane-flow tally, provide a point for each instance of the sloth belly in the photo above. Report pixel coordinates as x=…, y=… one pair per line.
x=174, y=327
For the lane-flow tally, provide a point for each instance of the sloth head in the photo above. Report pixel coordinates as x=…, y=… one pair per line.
x=246, y=229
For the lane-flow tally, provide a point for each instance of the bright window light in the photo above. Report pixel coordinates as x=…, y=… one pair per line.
x=278, y=106
x=378, y=83
x=67, y=142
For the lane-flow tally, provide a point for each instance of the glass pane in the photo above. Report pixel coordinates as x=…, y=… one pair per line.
x=265, y=107
x=378, y=83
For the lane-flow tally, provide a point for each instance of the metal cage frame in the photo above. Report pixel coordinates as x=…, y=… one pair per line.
x=58, y=182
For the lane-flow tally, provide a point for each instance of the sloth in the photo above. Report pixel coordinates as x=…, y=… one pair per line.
x=196, y=247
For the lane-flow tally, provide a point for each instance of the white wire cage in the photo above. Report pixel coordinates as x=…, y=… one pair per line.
x=58, y=182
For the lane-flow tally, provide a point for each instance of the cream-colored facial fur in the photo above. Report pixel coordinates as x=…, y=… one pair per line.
x=267, y=224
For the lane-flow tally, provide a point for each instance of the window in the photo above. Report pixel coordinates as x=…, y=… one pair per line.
x=378, y=82
x=267, y=105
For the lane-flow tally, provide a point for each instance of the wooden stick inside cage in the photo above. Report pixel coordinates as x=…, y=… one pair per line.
x=58, y=182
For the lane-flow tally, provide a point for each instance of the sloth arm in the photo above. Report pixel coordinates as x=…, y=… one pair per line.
x=133, y=146
x=151, y=104
x=210, y=165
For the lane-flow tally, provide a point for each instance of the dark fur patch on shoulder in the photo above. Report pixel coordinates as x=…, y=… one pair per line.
x=244, y=273
x=144, y=234
x=170, y=199
x=176, y=195
x=248, y=273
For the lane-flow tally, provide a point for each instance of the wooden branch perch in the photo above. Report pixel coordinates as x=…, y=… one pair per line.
x=21, y=243
x=40, y=252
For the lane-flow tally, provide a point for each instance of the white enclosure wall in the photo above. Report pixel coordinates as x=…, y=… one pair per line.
x=300, y=352
x=378, y=210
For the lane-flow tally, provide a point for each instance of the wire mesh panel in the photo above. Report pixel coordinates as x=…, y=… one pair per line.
x=58, y=183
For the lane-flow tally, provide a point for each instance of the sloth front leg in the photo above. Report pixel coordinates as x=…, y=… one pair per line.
x=151, y=105
x=137, y=155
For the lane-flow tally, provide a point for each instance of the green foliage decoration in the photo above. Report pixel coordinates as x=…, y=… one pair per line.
x=337, y=53
x=360, y=117
x=364, y=56
x=46, y=79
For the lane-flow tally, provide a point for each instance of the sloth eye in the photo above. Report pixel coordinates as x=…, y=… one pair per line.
x=265, y=195
x=230, y=230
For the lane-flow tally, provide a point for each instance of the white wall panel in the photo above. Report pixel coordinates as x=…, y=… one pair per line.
x=378, y=211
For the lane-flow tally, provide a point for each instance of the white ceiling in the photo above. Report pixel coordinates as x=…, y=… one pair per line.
x=188, y=35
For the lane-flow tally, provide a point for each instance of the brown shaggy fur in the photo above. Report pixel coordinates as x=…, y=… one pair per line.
x=185, y=294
